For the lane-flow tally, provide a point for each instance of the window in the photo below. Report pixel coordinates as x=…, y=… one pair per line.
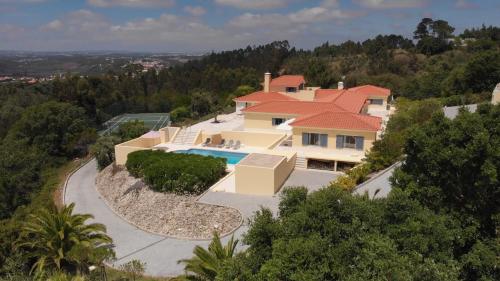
x=349, y=142
x=278, y=121
x=377, y=101
x=353, y=142
x=315, y=139
x=291, y=89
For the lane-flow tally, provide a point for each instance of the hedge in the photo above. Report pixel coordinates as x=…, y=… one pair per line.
x=174, y=172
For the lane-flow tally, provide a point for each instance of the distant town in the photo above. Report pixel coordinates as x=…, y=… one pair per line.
x=35, y=67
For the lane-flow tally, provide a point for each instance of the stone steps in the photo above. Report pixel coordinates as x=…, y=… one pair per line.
x=185, y=137
x=301, y=163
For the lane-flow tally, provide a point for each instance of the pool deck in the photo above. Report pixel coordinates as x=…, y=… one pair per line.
x=242, y=149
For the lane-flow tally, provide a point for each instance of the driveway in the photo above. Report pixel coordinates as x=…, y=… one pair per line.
x=159, y=253
x=312, y=179
x=162, y=253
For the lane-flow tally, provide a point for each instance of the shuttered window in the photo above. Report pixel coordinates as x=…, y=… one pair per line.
x=340, y=141
x=315, y=139
x=353, y=142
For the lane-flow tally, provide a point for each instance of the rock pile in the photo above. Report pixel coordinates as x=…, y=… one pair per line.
x=163, y=213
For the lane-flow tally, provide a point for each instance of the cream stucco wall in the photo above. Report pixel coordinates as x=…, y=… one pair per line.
x=254, y=120
x=256, y=180
x=167, y=134
x=257, y=139
x=123, y=149
x=378, y=106
x=369, y=137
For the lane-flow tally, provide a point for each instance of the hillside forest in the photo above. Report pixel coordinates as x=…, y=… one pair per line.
x=442, y=222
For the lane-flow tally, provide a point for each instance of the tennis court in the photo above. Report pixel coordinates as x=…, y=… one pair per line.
x=153, y=121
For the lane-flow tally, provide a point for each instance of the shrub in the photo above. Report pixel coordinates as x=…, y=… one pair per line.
x=353, y=177
x=173, y=172
x=104, y=150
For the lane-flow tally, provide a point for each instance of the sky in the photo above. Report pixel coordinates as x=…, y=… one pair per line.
x=213, y=25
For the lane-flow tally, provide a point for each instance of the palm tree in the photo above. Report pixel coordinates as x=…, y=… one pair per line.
x=206, y=264
x=60, y=240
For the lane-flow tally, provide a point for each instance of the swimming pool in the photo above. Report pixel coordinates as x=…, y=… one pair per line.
x=232, y=157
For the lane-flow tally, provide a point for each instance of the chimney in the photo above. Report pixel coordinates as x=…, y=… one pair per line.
x=340, y=85
x=267, y=82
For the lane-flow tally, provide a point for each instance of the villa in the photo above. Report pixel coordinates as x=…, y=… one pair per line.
x=288, y=125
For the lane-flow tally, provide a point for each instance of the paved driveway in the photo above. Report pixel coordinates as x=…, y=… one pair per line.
x=312, y=179
x=160, y=253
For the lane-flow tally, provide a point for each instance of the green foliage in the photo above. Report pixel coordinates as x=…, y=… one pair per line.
x=352, y=177
x=207, y=263
x=131, y=130
x=61, y=240
x=179, y=114
x=291, y=198
x=104, y=150
x=176, y=172
x=453, y=165
x=59, y=129
x=332, y=235
x=409, y=116
x=20, y=176
x=201, y=103
x=482, y=263
x=134, y=268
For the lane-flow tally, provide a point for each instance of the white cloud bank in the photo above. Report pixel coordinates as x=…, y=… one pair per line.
x=85, y=29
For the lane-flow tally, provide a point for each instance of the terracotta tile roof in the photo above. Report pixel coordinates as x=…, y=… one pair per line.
x=288, y=80
x=339, y=120
x=327, y=95
x=293, y=107
x=264, y=97
x=351, y=101
x=371, y=90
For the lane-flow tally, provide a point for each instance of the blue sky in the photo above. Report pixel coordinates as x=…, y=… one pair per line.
x=205, y=25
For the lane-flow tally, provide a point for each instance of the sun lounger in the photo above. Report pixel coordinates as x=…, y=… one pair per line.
x=222, y=143
x=229, y=144
x=207, y=141
x=237, y=145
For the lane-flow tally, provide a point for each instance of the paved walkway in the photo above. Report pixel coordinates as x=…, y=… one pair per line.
x=160, y=253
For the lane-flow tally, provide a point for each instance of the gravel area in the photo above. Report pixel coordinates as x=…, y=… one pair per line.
x=163, y=213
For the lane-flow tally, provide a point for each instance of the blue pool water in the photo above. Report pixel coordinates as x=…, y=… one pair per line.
x=232, y=157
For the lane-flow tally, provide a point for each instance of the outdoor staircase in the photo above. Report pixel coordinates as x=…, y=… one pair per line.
x=185, y=137
x=300, y=163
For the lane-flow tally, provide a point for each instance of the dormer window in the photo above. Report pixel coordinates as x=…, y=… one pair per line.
x=291, y=89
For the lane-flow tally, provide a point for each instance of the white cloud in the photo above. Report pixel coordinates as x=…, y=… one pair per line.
x=391, y=4
x=325, y=12
x=53, y=25
x=253, y=4
x=316, y=14
x=88, y=30
x=249, y=20
x=195, y=10
x=132, y=3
